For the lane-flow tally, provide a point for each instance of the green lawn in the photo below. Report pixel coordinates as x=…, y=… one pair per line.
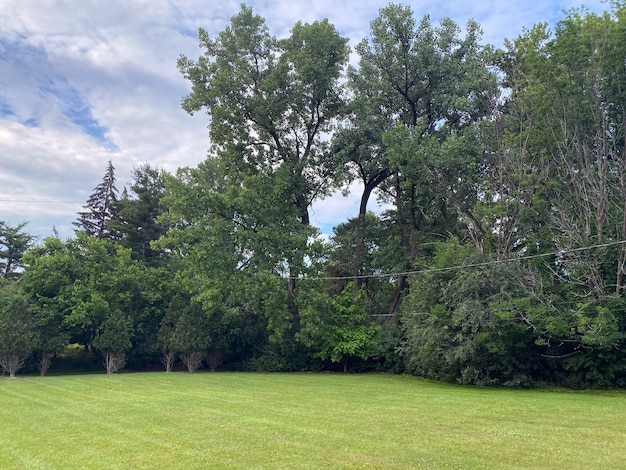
x=291, y=421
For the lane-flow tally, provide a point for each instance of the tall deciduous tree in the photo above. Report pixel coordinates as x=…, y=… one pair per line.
x=573, y=81
x=100, y=208
x=231, y=248
x=272, y=104
x=420, y=91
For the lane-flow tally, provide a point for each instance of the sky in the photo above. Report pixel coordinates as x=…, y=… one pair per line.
x=83, y=82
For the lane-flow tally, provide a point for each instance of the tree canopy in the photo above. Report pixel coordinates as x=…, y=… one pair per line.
x=499, y=259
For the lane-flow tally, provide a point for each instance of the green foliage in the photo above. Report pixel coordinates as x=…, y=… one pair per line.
x=137, y=215
x=85, y=290
x=113, y=339
x=460, y=322
x=419, y=93
x=115, y=333
x=18, y=333
x=14, y=243
x=499, y=257
x=337, y=327
x=271, y=102
x=567, y=108
x=191, y=332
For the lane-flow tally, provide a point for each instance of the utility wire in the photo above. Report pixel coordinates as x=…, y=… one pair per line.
x=454, y=268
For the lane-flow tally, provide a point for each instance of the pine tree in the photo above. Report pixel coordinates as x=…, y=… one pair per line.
x=13, y=244
x=100, y=208
x=137, y=213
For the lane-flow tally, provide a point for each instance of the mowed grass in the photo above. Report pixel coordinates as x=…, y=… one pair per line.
x=294, y=421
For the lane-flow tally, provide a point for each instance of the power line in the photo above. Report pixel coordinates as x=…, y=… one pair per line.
x=454, y=268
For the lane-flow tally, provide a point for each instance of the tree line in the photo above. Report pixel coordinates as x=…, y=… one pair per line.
x=499, y=259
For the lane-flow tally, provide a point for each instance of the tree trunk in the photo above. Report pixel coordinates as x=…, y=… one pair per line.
x=168, y=358
x=114, y=361
x=368, y=188
x=394, y=307
x=214, y=359
x=11, y=363
x=43, y=364
x=192, y=360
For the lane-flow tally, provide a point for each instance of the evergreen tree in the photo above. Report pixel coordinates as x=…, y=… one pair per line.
x=13, y=244
x=100, y=208
x=137, y=213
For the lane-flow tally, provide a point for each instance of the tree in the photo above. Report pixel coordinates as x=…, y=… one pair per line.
x=152, y=292
x=13, y=244
x=272, y=103
x=369, y=231
x=18, y=331
x=463, y=324
x=50, y=273
x=167, y=342
x=113, y=339
x=100, y=208
x=89, y=291
x=419, y=93
x=570, y=84
x=337, y=327
x=137, y=215
x=191, y=336
x=376, y=254
x=233, y=246
x=93, y=289
x=51, y=332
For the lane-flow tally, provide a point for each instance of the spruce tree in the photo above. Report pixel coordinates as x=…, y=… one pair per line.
x=13, y=244
x=100, y=208
x=137, y=213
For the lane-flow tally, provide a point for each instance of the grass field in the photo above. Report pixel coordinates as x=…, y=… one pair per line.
x=293, y=421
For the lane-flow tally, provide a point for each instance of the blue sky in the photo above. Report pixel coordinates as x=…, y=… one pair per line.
x=83, y=82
